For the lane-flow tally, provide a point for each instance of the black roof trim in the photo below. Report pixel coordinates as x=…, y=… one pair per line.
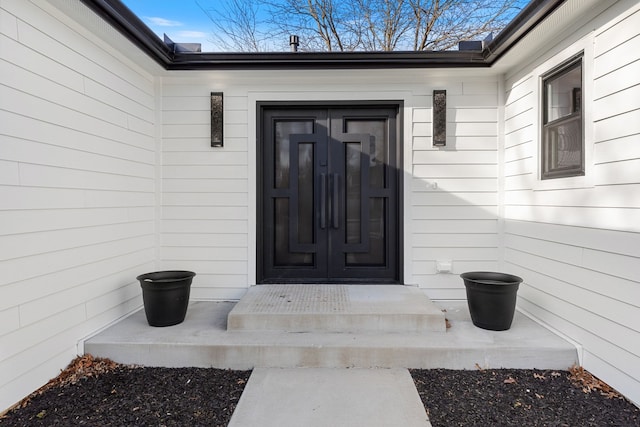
x=128, y=24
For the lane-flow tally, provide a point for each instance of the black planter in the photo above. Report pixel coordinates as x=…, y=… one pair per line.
x=491, y=298
x=166, y=296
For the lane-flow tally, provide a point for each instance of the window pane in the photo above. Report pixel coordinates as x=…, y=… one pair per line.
x=564, y=93
x=564, y=142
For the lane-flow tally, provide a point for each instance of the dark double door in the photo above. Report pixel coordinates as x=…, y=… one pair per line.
x=329, y=195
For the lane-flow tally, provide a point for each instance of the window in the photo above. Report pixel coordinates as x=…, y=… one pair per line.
x=562, y=151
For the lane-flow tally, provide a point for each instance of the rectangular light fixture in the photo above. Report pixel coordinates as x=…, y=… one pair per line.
x=217, y=120
x=439, y=118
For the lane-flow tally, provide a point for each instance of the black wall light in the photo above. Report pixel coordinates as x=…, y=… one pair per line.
x=439, y=118
x=217, y=120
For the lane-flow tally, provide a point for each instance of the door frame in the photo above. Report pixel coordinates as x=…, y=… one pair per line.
x=398, y=105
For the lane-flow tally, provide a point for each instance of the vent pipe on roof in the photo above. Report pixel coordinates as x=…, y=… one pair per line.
x=294, y=42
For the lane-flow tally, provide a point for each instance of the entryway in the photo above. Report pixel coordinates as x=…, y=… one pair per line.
x=329, y=199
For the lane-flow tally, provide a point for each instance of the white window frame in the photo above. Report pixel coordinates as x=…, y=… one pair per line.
x=584, y=47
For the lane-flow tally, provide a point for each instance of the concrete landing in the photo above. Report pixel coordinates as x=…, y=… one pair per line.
x=330, y=397
x=203, y=340
x=336, y=308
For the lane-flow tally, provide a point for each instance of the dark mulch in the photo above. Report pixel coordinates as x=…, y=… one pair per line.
x=521, y=397
x=99, y=392
x=135, y=396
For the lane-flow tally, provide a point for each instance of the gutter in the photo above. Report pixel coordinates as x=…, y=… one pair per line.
x=128, y=24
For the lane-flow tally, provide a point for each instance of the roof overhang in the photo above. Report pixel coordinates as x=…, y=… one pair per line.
x=127, y=23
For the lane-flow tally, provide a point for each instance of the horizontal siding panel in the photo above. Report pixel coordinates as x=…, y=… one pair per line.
x=9, y=320
x=617, y=57
x=452, y=226
x=519, y=167
x=202, y=171
x=520, y=136
x=203, y=254
x=627, y=196
x=42, y=264
x=592, y=238
x=617, y=103
x=52, y=113
x=617, y=150
x=426, y=268
x=607, y=286
x=568, y=254
x=617, y=34
x=456, y=171
x=620, y=219
x=423, y=114
x=623, y=266
x=454, y=212
x=519, y=121
x=454, y=199
x=472, y=115
x=186, y=131
x=203, y=212
x=205, y=185
x=447, y=240
x=616, y=81
x=517, y=152
x=186, y=103
x=204, y=226
x=423, y=129
x=48, y=176
x=27, y=59
x=122, y=101
x=214, y=158
x=456, y=184
x=20, y=293
x=29, y=221
x=457, y=143
x=575, y=322
x=519, y=182
x=186, y=117
x=205, y=199
x=28, y=82
x=9, y=173
x=472, y=129
x=455, y=254
x=22, y=245
x=470, y=87
x=18, y=341
x=60, y=136
x=625, y=172
x=518, y=107
x=210, y=267
x=519, y=89
x=455, y=157
x=114, y=299
x=472, y=101
x=220, y=240
x=23, y=151
x=202, y=144
x=625, y=338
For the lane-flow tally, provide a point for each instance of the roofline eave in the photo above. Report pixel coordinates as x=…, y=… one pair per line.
x=128, y=24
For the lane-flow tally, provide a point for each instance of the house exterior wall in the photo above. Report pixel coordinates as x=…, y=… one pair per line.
x=77, y=190
x=209, y=194
x=576, y=241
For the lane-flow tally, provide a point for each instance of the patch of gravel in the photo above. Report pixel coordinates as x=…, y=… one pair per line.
x=99, y=392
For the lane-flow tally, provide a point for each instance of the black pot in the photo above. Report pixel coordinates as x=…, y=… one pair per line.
x=166, y=296
x=491, y=298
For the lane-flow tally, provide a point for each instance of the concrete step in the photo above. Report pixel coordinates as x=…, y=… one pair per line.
x=203, y=340
x=336, y=308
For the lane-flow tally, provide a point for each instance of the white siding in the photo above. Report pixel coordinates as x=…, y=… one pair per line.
x=577, y=243
x=208, y=198
x=77, y=190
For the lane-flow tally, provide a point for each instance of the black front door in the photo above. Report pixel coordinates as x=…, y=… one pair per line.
x=328, y=195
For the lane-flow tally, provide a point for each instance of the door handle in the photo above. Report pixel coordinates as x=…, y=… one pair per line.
x=323, y=201
x=335, y=201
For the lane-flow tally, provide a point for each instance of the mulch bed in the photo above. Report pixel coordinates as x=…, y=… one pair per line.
x=99, y=392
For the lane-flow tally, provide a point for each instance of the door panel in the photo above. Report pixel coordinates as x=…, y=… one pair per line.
x=329, y=195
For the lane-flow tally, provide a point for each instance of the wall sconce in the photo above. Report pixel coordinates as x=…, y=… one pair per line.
x=439, y=118
x=217, y=120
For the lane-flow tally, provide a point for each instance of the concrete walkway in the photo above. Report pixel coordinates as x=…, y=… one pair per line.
x=276, y=397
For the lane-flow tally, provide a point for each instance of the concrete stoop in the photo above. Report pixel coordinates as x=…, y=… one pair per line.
x=332, y=327
x=336, y=308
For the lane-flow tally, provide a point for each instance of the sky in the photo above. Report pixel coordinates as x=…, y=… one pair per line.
x=183, y=21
